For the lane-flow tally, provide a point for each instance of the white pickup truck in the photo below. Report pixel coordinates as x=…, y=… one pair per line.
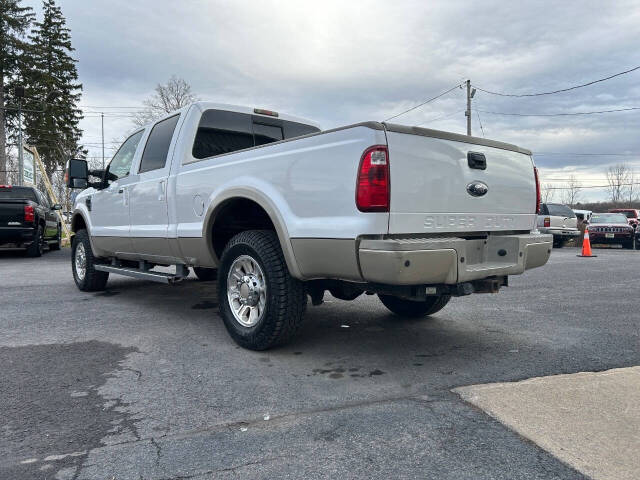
x=279, y=210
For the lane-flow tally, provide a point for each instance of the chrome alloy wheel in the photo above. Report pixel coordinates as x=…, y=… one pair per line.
x=246, y=291
x=80, y=260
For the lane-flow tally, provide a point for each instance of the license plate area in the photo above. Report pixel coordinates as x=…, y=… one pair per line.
x=609, y=235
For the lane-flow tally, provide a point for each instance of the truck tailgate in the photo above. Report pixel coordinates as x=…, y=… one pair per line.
x=11, y=212
x=432, y=184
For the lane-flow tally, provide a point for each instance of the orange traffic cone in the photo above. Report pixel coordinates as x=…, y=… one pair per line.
x=586, y=245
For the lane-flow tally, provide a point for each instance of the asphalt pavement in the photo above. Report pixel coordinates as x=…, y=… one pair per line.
x=142, y=380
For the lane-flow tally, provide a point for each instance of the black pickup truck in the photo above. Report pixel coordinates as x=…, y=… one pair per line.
x=28, y=220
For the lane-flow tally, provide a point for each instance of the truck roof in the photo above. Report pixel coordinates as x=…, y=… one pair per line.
x=205, y=105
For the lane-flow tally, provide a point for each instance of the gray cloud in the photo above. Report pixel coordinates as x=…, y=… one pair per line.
x=340, y=62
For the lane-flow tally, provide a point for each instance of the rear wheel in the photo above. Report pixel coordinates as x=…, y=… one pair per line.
x=58, y=243
x=83, y=263
x=205, y=274
x=37, y=247
x=261, y=304
x=412, y=309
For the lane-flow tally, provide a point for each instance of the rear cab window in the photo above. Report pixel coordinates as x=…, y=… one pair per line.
x=558, y=210
x=221, y=132
x=18, y=193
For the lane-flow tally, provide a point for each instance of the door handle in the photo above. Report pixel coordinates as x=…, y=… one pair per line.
x=121, y=190
x=161, y=185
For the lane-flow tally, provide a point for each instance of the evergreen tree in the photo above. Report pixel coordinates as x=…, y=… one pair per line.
x=54, y=131
x=14, y=22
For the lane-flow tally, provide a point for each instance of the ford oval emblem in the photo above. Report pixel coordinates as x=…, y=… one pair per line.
x=477, y=189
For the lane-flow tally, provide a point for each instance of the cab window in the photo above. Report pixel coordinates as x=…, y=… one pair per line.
x=120, y=164
x=222, y=132
x=157, y=148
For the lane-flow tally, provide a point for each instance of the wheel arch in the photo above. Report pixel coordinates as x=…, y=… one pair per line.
x=235, y=198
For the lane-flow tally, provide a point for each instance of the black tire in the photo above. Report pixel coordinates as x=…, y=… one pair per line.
x=558, y=243
x=93, y=279
x=56, y=245
x=37, y=247
x=286, y=297
x=411, y=309
x=205, y=274
x=628, y=245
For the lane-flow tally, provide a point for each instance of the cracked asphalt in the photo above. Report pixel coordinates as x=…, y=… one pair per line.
x=142, y=380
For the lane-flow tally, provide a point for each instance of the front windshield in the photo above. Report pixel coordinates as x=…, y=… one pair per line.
x=608, y=218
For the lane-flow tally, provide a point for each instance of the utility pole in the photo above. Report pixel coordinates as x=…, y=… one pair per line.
x=470, y=93
x=19, y=92
x=102, y=119
x=467, y=113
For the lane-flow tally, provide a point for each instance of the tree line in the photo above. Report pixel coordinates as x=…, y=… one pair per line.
x=623, y=189
x=36, y=55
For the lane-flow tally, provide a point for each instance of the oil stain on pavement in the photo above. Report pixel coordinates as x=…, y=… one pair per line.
x=52, y=412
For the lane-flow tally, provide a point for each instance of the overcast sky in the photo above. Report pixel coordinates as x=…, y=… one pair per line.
x=340, y=62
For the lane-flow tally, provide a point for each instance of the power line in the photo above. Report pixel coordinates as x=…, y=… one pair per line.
x=557, y=91
x=440, y=117
x=558, y=114
x=587, y=154
x=111, y=106
x=595, y=186
x=424, y=103
x=480, y=122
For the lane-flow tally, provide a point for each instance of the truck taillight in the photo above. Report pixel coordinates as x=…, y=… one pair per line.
x=372, y=189
x=547, y=222
x=29, y=214
x=538, y=194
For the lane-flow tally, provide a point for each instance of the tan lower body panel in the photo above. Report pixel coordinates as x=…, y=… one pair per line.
x=326, y=258
x=589, y=420
x=450, y=260
x=409, y=267
x=191, y=251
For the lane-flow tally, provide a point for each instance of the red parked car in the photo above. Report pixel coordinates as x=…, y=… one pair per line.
x=611, y=228
x=633, y=215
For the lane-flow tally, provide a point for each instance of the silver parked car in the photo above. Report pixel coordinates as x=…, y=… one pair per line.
x=560, y=221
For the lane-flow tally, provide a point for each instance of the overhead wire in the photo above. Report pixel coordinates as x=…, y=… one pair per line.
x=558, y=114
x=501, y=94
x=423, y=103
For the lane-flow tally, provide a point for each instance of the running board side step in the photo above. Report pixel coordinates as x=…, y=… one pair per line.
x=182, y=271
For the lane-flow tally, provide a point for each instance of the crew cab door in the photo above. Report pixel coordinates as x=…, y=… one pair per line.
x=148, y=196
x=109, y=207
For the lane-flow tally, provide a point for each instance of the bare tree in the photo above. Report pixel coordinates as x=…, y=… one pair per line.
x=618, y=178
x=547, y=192
x=630, y=189
x=173, y=95
x=571, y=191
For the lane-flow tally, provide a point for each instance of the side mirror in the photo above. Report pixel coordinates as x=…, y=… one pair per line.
x=77, y=174
x=56, y=206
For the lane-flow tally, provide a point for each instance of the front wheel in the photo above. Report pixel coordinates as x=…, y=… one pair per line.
x=412, y=309
x=261, y=304
x=83, y=263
